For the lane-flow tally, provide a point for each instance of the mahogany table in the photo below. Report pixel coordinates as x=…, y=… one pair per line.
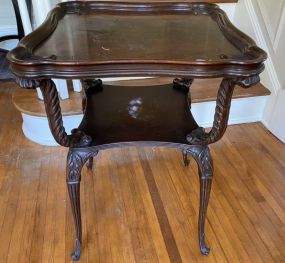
x=88, y=40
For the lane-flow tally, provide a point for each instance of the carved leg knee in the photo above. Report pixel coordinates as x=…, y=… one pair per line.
x=75, y=161
x=203, y=158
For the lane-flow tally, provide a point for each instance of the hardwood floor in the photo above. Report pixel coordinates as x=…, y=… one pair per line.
x=141, y=204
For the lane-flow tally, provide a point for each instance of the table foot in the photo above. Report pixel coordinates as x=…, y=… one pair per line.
x=77, y=251
x=205, y=250
x=204, y=160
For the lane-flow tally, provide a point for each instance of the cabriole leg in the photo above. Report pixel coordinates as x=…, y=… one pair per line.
x=74, y=195
x=205, y=189
x=204, y=160
x=75, y=161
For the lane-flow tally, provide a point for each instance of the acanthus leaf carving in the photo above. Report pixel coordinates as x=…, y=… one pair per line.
x=203, y=157
x=75, y=161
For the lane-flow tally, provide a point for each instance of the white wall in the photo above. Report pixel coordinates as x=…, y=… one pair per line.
x=7, y=17
x=265, y=22
x=7, y=23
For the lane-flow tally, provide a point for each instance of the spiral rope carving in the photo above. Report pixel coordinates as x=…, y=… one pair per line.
x=222, y=111
x=223, y=104
x=53, y=111
x=28, y=83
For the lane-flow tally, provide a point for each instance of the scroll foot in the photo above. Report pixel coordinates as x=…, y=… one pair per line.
x=204, y=250
x=77, y=251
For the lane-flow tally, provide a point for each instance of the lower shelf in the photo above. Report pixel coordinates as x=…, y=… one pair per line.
x=137, y=113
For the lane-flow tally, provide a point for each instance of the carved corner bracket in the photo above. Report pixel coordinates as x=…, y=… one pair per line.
x=247, y=82
x=182, y=84
x=223, y=104
x=79, y=139
x=28, y=83
x=90, y=84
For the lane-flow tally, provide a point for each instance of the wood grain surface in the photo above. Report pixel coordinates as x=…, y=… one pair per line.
x=141, y=204
x=136, y=39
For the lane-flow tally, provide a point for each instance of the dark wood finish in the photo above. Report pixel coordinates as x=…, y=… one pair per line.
x=159, y=113
x=171, y=43
x=182, y=40
x=141, y=203
x=54, y=112
x=188, y=1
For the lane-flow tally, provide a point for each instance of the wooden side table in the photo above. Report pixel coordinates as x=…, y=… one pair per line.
x=88, y=40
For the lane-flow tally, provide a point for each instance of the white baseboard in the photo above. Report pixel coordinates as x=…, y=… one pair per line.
x=245, y=110
x=37, y=130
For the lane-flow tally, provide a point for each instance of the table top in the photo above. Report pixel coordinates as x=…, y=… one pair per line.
x=87, y=39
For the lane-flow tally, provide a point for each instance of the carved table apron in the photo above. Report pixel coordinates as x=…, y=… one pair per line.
x=186, y=41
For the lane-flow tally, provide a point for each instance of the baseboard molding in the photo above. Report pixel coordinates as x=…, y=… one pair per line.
x=37, y=130
x=241, y=111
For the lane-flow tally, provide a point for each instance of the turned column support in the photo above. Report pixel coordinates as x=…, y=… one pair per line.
x=222, y=111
